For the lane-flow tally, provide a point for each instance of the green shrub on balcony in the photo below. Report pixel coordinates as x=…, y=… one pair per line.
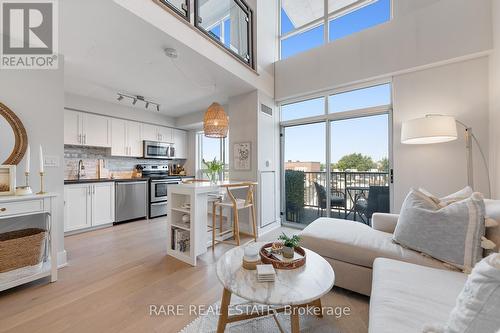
x=294, y=184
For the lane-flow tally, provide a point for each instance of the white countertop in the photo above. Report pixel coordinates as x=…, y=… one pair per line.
x=205, y=186
x=12, y=198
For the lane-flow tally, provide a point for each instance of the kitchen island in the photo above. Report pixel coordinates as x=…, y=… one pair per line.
x=188, y=218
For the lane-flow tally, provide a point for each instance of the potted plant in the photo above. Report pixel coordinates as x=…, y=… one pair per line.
x=289, y=244
x=213, y=169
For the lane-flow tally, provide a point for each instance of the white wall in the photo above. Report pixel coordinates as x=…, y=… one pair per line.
x=37, y=98
x=460, y=90
x=84, y=103
x=434, y=33
x=495, y=101
x=242, y=112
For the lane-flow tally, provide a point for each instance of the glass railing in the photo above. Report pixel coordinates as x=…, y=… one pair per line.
x=181, y=7
x=229, y=23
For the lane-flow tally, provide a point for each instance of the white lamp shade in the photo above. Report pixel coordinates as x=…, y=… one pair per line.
x=428, y=130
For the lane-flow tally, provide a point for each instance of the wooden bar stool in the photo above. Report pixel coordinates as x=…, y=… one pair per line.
x=236, y=205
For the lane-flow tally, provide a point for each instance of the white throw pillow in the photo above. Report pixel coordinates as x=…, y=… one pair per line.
x=478, y=305
x=451, y=233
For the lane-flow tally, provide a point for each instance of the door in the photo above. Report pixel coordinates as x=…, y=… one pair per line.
x=165, y=134
x=119, y=137
x=180, y=143
x=150, y=132
x=305, y=180
x=96, y=130
x=72, y=128
x=134, y=139
x=103, y=203
x=77, y=207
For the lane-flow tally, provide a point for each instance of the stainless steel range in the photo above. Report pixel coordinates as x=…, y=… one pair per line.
x=159, y=180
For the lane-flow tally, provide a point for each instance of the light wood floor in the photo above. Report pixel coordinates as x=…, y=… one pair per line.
x=115, y=274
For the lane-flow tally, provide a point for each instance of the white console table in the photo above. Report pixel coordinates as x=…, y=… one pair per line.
x=13, y=207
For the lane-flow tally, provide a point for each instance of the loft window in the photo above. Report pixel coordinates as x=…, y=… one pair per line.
x=305, y=24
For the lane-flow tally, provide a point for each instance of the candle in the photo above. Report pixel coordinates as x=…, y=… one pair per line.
x=28, y=159
x=41, y=159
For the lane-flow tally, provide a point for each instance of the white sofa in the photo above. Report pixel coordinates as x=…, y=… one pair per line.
x=408, y=290
x=406, y=297
x=351, y=248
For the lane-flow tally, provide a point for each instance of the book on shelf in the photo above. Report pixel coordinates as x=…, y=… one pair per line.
x=180, y=240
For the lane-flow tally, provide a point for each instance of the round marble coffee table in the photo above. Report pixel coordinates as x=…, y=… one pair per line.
x=301, y=287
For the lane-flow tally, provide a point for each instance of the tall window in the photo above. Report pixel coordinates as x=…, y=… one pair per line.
x=209, y=149
x=336, y=155
x=181, y=7
x=303, y=22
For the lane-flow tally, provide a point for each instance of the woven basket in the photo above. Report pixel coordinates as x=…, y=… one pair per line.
x=21, y=248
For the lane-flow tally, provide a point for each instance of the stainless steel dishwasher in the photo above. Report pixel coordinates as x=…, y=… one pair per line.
x=130, y=200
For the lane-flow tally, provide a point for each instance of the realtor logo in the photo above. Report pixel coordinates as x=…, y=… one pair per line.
x=29, y=34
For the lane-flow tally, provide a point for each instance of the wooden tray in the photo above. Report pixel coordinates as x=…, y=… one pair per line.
x=267, y=258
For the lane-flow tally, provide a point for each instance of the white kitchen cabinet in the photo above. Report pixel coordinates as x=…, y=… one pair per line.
x=119, y=145
x=88, y=205
x=180, y=143
x=72, y=128
x=96, y=130
x=134, y=139
x=77, y=208
x=86, y=129
x=126, y=138
x=150, y=132
x=103, y=203
x=165, y=134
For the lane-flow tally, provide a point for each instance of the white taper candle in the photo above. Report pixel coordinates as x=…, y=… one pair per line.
x=28, y=159
x=41, y=159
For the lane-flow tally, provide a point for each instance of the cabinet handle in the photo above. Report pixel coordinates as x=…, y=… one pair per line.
x=3, y=209
x=85, y=138
x=94, y=188
x=79, y=138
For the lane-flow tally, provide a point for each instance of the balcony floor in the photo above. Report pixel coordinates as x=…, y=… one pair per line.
x=311, y=214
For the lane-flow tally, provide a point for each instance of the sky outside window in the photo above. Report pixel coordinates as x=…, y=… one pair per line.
x=361, y=19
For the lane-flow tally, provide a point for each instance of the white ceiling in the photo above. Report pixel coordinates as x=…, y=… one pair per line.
x=108, y=50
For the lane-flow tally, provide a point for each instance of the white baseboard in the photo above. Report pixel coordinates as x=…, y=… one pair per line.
x=62, y=259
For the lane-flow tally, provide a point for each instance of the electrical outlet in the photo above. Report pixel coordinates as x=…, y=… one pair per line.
x=52, y=161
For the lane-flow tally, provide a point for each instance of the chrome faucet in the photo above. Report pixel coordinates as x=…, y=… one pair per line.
x=81, y=167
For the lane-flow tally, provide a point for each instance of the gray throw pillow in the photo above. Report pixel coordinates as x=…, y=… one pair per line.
x=451, y=234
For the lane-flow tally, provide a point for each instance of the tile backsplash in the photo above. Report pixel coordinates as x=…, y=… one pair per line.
x=117, y=166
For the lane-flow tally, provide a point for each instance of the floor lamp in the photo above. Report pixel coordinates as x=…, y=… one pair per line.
x=435, y=128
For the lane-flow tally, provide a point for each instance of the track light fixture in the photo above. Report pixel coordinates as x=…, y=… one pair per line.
x=136, y=98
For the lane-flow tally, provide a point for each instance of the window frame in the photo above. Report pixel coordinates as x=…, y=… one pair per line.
x=328, y=118
x=325, y=20
x=185, y=15
x=199, y=155
x=250, y=43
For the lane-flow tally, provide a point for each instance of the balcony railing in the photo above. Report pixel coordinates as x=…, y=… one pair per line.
x=227, y=22
x=349, y=187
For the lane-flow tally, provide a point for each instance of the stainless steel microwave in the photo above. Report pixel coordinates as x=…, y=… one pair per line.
x=160, y=150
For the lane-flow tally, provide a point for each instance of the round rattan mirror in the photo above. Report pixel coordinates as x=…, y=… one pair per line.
x=13, y=137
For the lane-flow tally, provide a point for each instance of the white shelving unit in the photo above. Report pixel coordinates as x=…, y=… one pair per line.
x=31, y=206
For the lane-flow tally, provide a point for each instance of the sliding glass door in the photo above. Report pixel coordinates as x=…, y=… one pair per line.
x=336, y=156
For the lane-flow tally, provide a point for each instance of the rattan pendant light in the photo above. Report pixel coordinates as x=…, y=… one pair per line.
x=216, y=122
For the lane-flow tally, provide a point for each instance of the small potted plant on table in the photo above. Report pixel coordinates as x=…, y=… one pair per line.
x=289, y=245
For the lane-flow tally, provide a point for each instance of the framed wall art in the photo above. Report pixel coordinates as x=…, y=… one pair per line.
x=7, y=179
x=242, y=155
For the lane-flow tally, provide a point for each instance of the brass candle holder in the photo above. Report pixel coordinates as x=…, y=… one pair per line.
x=41, y=184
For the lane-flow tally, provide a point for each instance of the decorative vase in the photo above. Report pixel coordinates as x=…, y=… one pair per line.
x=213, y=177
x=288, y=252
